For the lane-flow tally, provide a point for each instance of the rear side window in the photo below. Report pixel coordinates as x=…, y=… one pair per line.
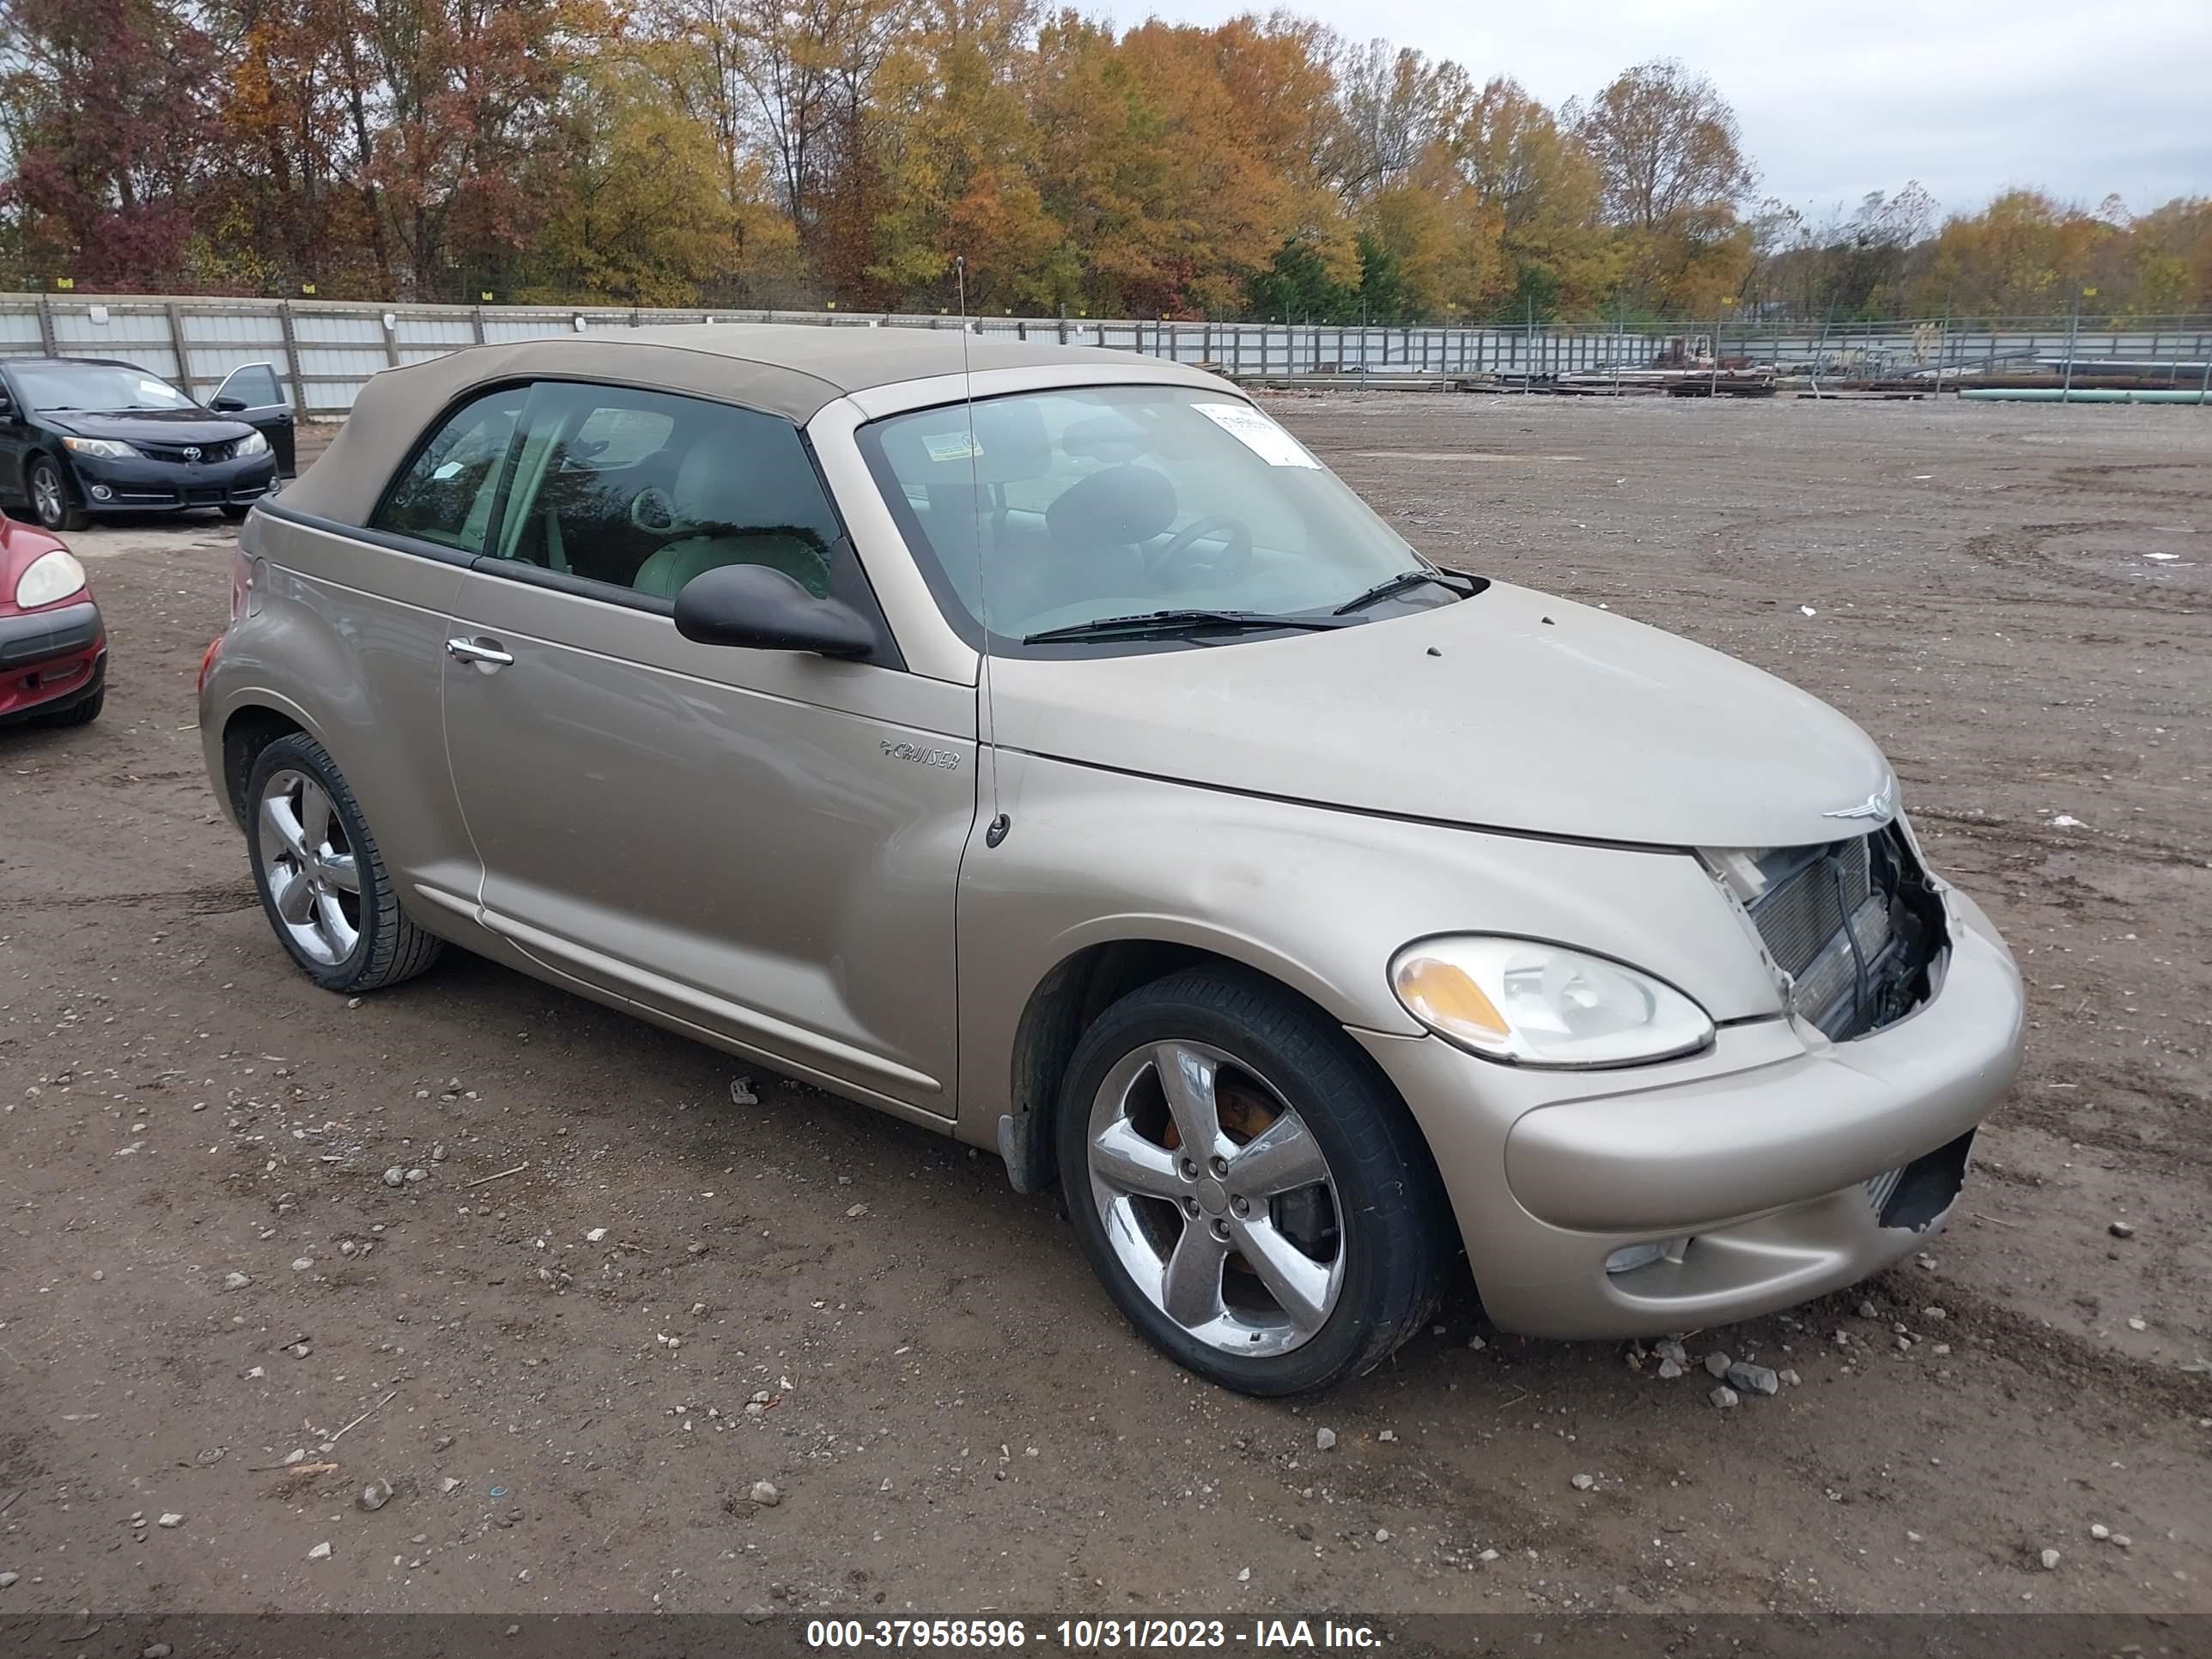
x=446, y=494
x=644, y=490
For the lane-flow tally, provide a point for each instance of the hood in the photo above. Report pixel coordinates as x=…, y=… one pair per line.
x=1510, y=710
x=151, y=426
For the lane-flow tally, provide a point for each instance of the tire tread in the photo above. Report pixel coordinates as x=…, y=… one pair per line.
x=399, y=950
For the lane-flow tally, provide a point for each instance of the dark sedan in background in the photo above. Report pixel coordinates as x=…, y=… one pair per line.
x=83, y=436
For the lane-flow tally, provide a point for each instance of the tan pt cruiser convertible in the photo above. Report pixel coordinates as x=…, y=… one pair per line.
x=1041, y=744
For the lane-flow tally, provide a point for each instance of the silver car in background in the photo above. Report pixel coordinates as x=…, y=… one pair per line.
x=1042, y=745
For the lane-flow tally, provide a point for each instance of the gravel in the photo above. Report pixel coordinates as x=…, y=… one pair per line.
x=396, y=1175
x=374, y=1496
x=2122, y=1230
x=1324, y=1439
x=1718, y=1363
x=1724, y=1396
x=1747, y=1378
x=2050, y=1560
x=766, y=1495
x=1583, y=1482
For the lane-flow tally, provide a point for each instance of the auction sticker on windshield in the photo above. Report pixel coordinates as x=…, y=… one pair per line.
x=1258, y=434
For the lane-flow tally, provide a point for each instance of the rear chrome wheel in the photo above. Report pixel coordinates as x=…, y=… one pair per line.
x=322, y=881
x=1254, y=1195
x=314, y=884
x=1216, y=1198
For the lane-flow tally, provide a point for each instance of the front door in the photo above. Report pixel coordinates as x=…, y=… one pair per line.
x=762, y=845
x=251, y=393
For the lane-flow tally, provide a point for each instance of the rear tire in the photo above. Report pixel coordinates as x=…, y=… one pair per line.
x=322, y=881
x=234, y=513
x=1317, y=1200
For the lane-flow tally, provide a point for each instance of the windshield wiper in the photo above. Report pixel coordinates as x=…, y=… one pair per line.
x=1153, y=623
x=1458, y=584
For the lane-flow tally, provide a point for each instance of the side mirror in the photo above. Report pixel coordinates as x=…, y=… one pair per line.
x=227, y=406
x=763, y=610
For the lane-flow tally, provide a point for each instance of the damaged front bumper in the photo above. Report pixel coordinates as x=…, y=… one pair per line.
x=1777, y=1166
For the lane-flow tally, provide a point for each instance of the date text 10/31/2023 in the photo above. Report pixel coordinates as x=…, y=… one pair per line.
x=1090, y=1635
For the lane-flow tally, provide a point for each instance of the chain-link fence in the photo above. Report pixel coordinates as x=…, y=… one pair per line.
x=324, y=351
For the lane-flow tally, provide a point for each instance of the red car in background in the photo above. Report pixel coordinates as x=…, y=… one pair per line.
x=53, y=645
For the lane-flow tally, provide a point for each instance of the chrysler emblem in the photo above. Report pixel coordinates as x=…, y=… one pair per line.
x=1876, y=805
x=191, y=452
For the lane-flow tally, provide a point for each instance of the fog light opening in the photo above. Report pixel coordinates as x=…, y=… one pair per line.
x=101, y=492
x=1629, y=1257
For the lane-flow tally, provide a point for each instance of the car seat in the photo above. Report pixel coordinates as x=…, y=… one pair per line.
x=722, y=489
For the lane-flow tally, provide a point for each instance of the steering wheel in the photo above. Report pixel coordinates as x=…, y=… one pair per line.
x=654, y=511
x=1234, y=559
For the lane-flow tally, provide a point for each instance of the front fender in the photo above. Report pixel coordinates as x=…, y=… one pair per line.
x=1316, y=898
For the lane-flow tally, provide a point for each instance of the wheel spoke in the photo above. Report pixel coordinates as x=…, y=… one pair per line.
x=331, y=922
x=1190, y=1287
x=340, y=871
x=276, y=812
x=1298, y=1282
x=296, y=898
x=1187, y=1077
x=1284, y=1158
x=1129, y=1162
x=314, y=815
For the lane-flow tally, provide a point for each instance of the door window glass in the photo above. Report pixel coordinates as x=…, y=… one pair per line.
x=446, y=494
x=255, y=385
x=643, y=490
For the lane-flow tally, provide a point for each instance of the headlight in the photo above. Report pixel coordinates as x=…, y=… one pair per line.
x=251, y=444
x=107, y=448
x=1531, y=1003
x=51, y=576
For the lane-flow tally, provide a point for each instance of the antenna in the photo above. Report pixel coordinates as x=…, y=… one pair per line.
x=988, y=751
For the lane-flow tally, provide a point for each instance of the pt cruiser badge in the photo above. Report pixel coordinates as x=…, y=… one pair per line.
x=921, y=757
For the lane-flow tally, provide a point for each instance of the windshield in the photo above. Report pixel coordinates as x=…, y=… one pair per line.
x=102, y=386
x=1076, y=506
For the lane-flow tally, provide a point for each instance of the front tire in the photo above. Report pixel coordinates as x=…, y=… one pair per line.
x=322, y=881
x=1257, y=1200
x=234, y=513
x=83, y=712
x=53, y=500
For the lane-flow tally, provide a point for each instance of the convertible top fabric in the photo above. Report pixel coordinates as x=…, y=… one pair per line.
x=788, y=369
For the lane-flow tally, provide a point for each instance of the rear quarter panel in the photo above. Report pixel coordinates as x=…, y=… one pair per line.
x=347, y=638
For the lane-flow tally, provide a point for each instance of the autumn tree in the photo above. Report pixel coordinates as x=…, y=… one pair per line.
x=1541, y=184
x=1670, y=163
x=107, y=110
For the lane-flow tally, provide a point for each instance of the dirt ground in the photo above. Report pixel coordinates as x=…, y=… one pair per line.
x=2012, y=601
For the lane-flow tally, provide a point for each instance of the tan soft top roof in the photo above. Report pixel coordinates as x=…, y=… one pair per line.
x=787, y=369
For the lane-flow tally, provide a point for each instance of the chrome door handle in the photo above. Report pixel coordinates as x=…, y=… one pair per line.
x=476, y=651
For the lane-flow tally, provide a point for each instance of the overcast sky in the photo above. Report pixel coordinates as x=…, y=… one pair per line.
x=2079, y=97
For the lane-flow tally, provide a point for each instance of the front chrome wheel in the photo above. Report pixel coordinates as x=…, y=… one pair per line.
x=1216, y=1198
x=48, y=501
x=314, y=881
